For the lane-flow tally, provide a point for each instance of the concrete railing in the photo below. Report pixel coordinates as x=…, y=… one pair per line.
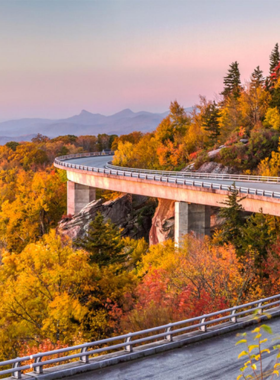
x=125, y=344
x=169, y=178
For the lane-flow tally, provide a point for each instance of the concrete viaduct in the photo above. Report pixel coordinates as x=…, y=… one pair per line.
x=193, y=193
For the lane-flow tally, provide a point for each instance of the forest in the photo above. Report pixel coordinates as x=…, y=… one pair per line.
x=58, y=292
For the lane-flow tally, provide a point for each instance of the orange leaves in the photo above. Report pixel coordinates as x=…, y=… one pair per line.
x=171, y=156
x=195, y=279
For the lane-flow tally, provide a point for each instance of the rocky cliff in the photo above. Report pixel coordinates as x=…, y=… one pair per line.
x=163, y=222
x=130, y=212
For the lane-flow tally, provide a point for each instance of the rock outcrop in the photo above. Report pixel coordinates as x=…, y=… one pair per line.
x=163, y=222
x=130, y=212
x=214, y=167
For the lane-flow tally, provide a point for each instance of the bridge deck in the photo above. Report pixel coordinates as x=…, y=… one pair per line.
x=100, y=162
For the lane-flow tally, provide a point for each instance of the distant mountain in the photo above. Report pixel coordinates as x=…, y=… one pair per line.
x=86, y=123
x=5, y=139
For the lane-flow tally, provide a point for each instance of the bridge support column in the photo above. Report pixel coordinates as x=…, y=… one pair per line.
x=78, y=196
x=191, y=217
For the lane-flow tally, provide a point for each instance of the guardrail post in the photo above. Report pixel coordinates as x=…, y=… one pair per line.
x=260, y=310
x=203, y=327
x=169, y=337
x=17, y=374
x=233, y=317
x=38, y=369
x=128, y=347
x=84, y=358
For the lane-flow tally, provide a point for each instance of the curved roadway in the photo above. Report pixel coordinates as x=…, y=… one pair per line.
x=101, y=161
x=213, y=359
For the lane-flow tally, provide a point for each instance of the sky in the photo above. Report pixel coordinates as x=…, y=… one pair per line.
x=61, y=56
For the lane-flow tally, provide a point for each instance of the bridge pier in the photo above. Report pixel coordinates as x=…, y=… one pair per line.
x=191, y=217
x=78, y=196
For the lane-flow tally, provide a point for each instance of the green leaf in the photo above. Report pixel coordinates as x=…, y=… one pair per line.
x=267, y=329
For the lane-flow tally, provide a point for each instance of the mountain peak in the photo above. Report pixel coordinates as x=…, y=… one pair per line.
x=85, y=112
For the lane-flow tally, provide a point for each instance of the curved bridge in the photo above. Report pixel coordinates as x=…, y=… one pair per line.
x=193, y=193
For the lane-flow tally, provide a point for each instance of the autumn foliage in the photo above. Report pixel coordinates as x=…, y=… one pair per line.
x=56, y=292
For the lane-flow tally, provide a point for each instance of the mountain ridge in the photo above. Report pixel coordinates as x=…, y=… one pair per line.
x=85, y=123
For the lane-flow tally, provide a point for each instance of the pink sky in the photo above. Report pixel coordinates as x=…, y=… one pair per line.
x=106, y=55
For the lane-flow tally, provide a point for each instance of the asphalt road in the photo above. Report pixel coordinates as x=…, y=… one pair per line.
x=101, y=161
x=213, y=359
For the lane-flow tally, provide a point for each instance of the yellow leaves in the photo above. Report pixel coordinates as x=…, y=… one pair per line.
x=243, y=353
x=241, y=341
x=272, y=117
x=43, y=295
x=39, y=200
x=253, y=347
x=124, y=154
x=265, y=350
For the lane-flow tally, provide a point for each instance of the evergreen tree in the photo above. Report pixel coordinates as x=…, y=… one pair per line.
x=257, y=236
x=234, y=219
x=232, y=81
x=257, y=79
x=274, y=58
x=104, y=242
x=211, y=121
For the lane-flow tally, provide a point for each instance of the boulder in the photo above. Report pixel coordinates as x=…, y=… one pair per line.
x=133, y=214
x=214, y=167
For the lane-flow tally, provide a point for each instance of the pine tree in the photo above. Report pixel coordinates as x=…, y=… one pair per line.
x=232, y=81
x=233, y=214
x=257, y=237
x=257, y=79
x=274, y=58
x=104, y=242
x=211, y=121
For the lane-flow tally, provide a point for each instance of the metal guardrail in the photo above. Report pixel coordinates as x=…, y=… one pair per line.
x=158, y=176
x=234, y=177
x=81, y=155
x=129, y=341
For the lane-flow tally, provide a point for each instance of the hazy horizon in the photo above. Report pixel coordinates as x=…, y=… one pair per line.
x=60, y=57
